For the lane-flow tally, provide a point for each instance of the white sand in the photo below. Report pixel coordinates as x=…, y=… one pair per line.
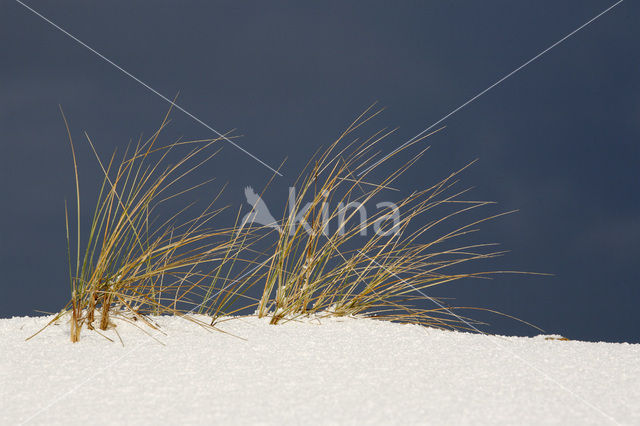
x=349, y=371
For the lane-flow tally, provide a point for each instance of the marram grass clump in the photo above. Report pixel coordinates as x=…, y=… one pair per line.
x=384, y=274
x=132, y=264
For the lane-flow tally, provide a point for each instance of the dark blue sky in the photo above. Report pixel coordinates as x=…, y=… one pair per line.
x=559, y=140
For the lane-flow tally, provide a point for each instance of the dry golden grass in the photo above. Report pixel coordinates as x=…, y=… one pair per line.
x=339, y=272
x=131, y=265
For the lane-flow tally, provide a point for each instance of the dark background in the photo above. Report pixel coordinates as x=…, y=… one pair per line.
x=559, y=140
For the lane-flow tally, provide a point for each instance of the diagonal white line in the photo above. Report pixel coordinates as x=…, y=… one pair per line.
x=145, y=85
x=379, y=265
x=490, y=87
